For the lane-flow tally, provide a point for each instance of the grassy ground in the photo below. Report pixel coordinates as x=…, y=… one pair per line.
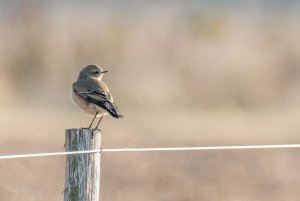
x=190, y=74
x=202, y=175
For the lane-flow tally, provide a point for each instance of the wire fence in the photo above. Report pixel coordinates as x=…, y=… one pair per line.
x=276, y=146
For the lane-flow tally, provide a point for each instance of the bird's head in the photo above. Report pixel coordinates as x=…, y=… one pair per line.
x=92, y=70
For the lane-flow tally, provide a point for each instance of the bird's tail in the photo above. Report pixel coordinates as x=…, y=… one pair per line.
x=113, y=110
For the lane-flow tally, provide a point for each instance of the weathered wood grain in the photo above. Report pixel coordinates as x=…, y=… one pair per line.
x=82, y=179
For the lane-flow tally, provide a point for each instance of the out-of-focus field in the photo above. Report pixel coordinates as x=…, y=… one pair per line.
x=192, y=74
x=208, y=175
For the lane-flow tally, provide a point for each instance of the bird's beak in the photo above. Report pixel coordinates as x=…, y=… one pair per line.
x=105, y=71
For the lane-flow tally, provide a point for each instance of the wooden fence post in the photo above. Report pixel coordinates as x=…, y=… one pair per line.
x=82, y=176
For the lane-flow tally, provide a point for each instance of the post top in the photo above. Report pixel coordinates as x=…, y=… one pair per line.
x=83, y=130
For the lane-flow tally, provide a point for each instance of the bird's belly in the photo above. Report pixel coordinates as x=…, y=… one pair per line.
x=87, y=107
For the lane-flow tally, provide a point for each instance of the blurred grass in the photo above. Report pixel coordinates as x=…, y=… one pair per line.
x=209, y=175
x=212, y=58
x=182, y=76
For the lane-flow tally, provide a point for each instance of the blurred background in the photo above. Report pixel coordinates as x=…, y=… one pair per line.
x=183, y=73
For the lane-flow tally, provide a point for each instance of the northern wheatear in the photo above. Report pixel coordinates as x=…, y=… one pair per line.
x=91, y=94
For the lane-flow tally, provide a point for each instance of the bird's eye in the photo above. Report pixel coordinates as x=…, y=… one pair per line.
x=96, y=72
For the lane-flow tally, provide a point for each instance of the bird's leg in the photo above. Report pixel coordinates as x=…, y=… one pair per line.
x=93, y=120
x=99, y=122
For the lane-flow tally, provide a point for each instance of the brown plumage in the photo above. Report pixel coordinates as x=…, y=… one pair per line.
x=92, y=95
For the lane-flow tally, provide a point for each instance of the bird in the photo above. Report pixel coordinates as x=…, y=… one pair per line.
x=92, y=95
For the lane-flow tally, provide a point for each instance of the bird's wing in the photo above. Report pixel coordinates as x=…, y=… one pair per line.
x=105, y=90
x=97, y=93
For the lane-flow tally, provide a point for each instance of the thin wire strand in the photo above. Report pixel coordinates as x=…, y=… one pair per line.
x=204, y=148
x=278, y=146
x=50, y=154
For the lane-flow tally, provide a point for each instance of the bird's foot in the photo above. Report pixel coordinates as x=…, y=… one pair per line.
x=97, y=129
x=92, y=129
x=87, y=128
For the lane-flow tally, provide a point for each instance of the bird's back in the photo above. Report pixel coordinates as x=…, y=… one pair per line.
x=95, y=91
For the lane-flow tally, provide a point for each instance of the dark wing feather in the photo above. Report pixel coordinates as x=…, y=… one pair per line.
x=96, y=95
